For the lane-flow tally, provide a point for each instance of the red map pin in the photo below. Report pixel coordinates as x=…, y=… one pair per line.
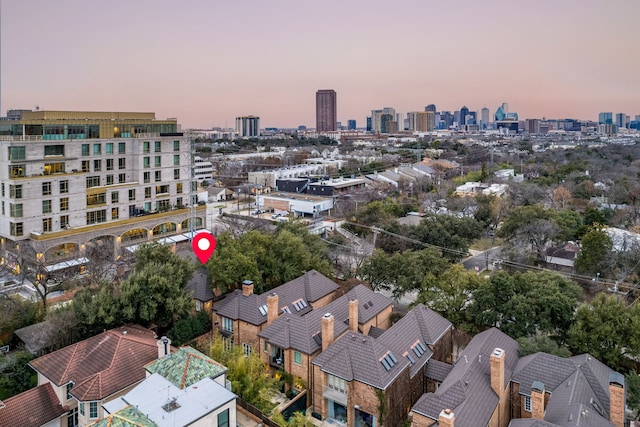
x=203, y=245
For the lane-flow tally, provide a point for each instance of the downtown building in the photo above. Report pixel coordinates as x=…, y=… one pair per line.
x=326, y=111
x=248, y=126
x=72, y=179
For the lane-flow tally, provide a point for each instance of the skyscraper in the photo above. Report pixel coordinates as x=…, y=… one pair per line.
x=464, y=111
x=605, y=118
x=326, y=110
x=484, y=118
x=248, y=126
x=351, y=124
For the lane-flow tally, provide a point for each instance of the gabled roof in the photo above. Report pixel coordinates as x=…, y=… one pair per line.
x=530, y=422
x=467, y=389
x=185, y=367
x=101, y=365
x=309, y=287
x=437, y=370
x=200, y=286
x=410, y=336
x=34, y=407
x=576, y=384
x=298, y=332
x=356, y=357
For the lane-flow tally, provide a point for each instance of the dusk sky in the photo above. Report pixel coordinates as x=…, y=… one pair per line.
x=208, y=61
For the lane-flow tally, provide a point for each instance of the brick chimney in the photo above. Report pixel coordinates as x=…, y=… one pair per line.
x=164, y=347
x=247, y=288
x=537, y=400
x=446, y=418
x=353, y=315
x=497, y=371
x=327, y=330
x=272, y=307
x=616, y=399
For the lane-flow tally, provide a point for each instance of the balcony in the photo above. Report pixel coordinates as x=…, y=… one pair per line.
x=335, y=395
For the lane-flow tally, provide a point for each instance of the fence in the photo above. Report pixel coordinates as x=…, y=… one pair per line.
x=256, y=413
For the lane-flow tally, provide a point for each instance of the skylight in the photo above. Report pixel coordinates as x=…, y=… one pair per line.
x=263, y=309
x=410, y=357
x=418, y=348
x=299, y=304
x=286, y=309
x=388, y=361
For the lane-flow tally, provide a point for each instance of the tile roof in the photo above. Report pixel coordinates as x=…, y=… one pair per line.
x=311, y=286
x=37, y=337
x=130, y=416
x=34, y=407
x=185, y=367
x=467, y=389
x=200, y=285
x=101, y=365
x=438, y=370
x=530, y=422
x=297, y=332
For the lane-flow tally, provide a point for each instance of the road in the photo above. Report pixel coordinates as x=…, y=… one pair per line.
x=483, y=260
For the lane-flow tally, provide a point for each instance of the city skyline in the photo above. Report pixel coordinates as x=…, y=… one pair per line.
x=188, y=62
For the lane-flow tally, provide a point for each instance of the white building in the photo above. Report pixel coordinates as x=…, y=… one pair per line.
x=268, y=177
x=202, y=169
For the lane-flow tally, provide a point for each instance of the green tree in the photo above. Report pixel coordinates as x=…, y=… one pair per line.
x=595, y=254
x=524, y=304
x=156, y=291
x=16, y=313
x=17, y=376
x=608, y=329
x=541, y=343
x=571, y=224
x=450, y=292
x=632, y=387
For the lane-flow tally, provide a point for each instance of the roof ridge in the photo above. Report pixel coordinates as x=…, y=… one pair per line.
x=69, y=360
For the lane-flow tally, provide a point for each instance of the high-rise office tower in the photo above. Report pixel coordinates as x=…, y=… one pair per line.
x=248, y=126
x=326, y=110
x=418, y=120
x=351, y=124
x=464, y=111
x=484, y=118
x=622, y=120
x=605, y=118
x=430, y=107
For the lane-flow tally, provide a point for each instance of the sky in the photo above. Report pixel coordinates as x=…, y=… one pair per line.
x=206, y=62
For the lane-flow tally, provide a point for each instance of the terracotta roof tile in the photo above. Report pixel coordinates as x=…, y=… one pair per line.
x=33, y=407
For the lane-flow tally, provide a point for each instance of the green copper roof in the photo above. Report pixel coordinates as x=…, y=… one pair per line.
x=186, y=367
x=126, y=417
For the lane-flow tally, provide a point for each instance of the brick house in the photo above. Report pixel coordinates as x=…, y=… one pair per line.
x=290, y=342
x=372, y=380
x=87, y=374
x=489, y=385
x=241, y=315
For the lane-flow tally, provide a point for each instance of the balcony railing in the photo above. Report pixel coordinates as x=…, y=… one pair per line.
x=335, y=395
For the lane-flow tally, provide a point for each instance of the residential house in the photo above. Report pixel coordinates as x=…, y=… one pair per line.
x=290, y=342
x=37, y=407
x=87, y=374
x=184, y=388
x=200, y=288
x=372, y=379
x=242, y=314
x=489, y=385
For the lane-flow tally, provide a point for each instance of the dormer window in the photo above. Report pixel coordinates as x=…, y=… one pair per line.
x=69, y=387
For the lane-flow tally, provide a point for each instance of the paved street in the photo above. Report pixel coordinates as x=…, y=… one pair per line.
x=483, y=260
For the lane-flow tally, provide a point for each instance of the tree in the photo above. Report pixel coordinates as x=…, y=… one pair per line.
x=632, y=387
x=525, y=304
x=529, y=225
x=155, y=292
x=608, y=329
x=17, y=376
x=595, y=254
x=541, y=343
x=450, y=292
x=562, y=197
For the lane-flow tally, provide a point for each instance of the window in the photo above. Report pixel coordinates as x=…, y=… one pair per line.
x=299, y=304
x=50, y=168
x=158, y=161
x=96, y=217
x=223, y=418
x=97, y=198
x=246, y=349
x=15, y=191
x=85, y=165
x=109, y=164
x=46, y=206
x=97, y=165
x=146, y=162
x=179, y=202
x=93, y=181
x=145, y=147
x=132, y=194
x=158, y=176
x=85, y=149
x=54, y=150
x=147, y=192
x=2, y=185
x=46, y=225
x=69, y=387
x=179, y=188
x=64, y=204
x=121, y=148
x=109, y=179
x=162, y=189
x=3, y=211
x=64, y=221
x=527, y=403
x=108, y=148
x=93, y=410
x=122, y=178
x=176, y=145
x=176, y=160
x=15, y=210
x=227, y=324
x=297, y=357
x=64, y=187
x=198, y=305
x=336, y=383
x=114, y=213
x=16, y=171
x=81, y=408
x=122, y=163
x=176, y=174
x=163, y=205
x=157, y=146
x=97, y=149
x=17, y=153
x=72, y=417
x=46, y=188
x=16, y=228
x=265, y=348
x=146, y=177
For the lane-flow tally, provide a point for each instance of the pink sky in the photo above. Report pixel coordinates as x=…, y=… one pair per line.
x=208, y=61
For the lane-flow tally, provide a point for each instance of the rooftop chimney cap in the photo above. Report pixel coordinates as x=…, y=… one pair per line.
x=327, y=315
x=124, y=332
x=497, y=352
